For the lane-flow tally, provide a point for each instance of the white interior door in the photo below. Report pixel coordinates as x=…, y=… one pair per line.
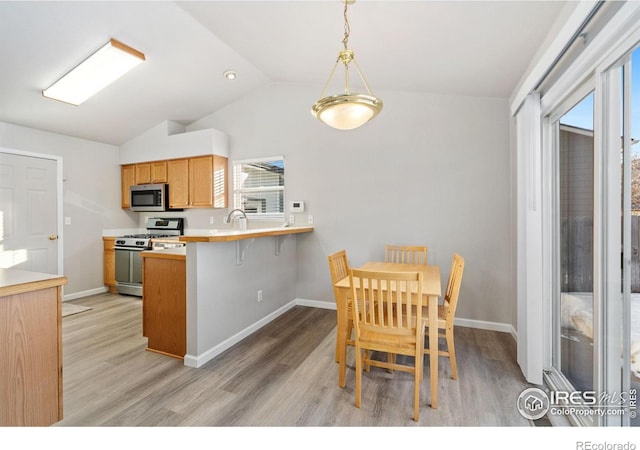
x=28, y=213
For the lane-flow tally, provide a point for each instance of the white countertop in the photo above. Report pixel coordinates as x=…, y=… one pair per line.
x=15, y=281
x=225, y=235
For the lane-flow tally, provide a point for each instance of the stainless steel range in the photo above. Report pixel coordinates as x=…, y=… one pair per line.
x=128, y=248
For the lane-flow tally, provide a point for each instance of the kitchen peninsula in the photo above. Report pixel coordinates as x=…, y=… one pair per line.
x=236, y=282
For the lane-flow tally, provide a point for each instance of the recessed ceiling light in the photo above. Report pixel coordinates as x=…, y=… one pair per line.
x=230, y=75
x=95, y=73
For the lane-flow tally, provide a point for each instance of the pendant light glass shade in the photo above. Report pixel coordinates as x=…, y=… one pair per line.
x=348, y=110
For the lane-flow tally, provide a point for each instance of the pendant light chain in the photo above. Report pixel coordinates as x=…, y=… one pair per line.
x=347, y=28
x=345, y=41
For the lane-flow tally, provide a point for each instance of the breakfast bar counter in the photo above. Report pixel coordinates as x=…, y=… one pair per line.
x=236, y=282
x=237, y=235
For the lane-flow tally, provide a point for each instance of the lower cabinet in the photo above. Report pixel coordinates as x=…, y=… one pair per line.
x=164, y=302
x=31, y=356
x=109, y=264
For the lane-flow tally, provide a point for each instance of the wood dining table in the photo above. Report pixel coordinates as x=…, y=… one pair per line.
x=431, y=290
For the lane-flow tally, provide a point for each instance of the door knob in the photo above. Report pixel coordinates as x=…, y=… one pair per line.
x=53, y=237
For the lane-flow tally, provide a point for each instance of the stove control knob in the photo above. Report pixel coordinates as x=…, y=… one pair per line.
x=120, y=242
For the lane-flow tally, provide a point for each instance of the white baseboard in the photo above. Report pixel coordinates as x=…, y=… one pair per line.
x=199, y=360
x=315, y=304
x=82, y=294
x=485, y=325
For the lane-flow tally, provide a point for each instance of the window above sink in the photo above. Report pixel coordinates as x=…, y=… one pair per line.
x=258, y=187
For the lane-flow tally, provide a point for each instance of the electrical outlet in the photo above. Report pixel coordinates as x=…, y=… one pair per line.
x=212, y=220
x=310, y=219
x=260, y=295
x=292, y=220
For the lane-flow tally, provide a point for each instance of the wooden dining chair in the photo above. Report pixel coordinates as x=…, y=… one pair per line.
x=339, y=269
x=405, y=254
x=446, y=314
x=386, y=319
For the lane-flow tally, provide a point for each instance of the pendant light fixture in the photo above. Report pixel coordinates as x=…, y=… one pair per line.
x=348, y=110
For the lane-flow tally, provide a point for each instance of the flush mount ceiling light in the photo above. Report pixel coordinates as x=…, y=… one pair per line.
x=95, y=73
x=349, y=110
x=229, y=75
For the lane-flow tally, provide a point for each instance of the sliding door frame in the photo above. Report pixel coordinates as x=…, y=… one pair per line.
x=598, y=70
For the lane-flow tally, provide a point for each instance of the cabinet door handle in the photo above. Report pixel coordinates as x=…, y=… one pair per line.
x=53, y=237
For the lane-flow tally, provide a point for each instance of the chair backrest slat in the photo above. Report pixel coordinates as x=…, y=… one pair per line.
x=387, y=302
x=405, y=254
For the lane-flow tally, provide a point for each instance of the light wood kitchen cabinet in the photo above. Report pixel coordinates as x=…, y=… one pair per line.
x=109, y=263
x=195, y=182
x=164, y=302
x=143, y=173
x=158, y=171
x=198, y=182
x=127, y=179
x=31, y=357
x=201, y=181
x=151, y=172
x=220, y=180
x=178, y=178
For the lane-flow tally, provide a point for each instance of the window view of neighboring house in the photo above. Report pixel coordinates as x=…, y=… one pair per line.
x=259, y=187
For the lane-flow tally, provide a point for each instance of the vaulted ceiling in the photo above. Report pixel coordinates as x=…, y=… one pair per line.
x=477, y=48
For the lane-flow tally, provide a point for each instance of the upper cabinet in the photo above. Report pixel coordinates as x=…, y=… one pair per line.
x=196, y=182
x=159, y=172
x=127, y=179
x=151, y=172
x=178, y=175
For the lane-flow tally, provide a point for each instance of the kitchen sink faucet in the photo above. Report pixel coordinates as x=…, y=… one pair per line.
x=230, y=218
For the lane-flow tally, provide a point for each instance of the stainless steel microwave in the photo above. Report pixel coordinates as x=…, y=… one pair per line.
x=149, y=197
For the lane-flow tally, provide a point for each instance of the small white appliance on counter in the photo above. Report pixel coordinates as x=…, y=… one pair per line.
x=127, y=249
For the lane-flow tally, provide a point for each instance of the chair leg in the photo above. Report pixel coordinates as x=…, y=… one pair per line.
x=367, y=365
x=391, y=359
x=358, y=375
x=452, y=353
x=349, y=338
x=416, y=386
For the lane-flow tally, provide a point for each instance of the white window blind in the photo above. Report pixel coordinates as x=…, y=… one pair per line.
x=258, y=187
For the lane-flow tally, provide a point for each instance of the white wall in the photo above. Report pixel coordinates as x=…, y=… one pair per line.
x=430, y=169
x=91, y=198
x=222, y=306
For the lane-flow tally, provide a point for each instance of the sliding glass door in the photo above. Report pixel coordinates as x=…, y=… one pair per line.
x=632, y=306
x=626, y=87
x=574, y=254
x=595, y=343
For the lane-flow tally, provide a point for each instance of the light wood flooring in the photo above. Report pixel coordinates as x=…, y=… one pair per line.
x=282, y=375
